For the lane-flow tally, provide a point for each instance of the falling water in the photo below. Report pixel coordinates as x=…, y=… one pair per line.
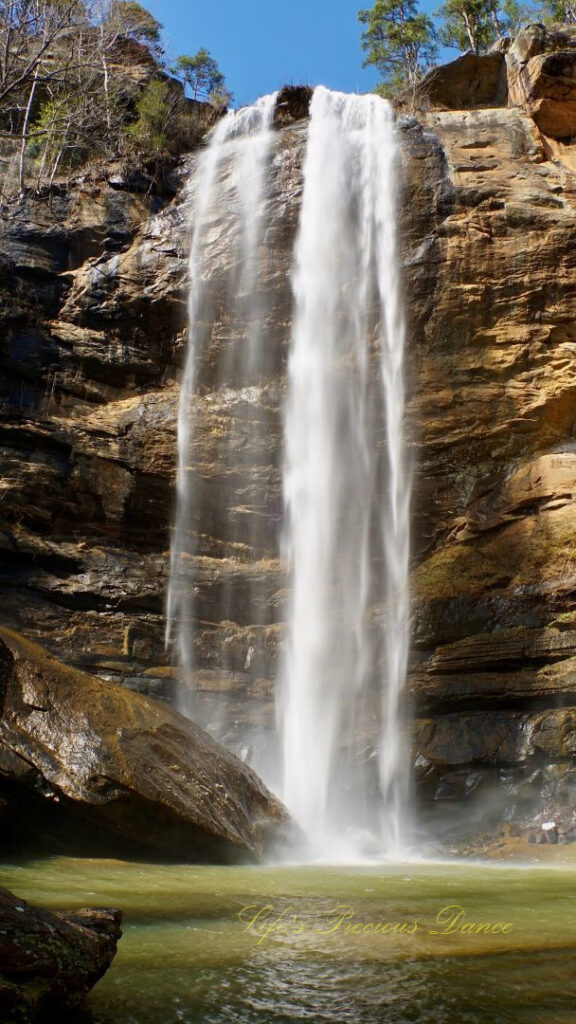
x=343, y=760
x=227, y=217
x=346, y=491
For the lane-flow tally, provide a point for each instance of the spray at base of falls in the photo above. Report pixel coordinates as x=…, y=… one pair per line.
x=341, y=753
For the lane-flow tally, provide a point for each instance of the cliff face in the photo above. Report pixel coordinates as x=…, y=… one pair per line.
x=92, y=315
x=493, y=416
x=93, y=288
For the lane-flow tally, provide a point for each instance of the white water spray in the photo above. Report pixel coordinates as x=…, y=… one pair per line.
x=346, y=491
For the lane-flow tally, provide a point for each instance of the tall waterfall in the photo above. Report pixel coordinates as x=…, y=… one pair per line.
x=340, y=762
x=229, y=182
x=346, y=489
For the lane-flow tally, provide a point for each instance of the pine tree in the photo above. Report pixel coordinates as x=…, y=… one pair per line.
x=477, y=24
x=563, y=10
x=399, y=41
x=201, y=73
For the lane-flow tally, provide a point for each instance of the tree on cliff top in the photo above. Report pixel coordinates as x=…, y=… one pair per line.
x=563, y=10
x=130, y=19
x=67, y=88
x=399, y=41
x=477, y=24
x=203, y=76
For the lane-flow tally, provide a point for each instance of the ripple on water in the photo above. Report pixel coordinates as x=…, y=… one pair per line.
x=187, y=956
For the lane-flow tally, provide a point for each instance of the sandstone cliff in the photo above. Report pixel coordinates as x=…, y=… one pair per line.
x=93, y=288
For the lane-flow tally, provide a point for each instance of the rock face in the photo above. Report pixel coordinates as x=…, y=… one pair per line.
x=95, y=318
x=86, y=437
x=542, y=78
x=93, y=306
x=49, y=962
x=472, y=80
x=493, y=422
x=87, y=766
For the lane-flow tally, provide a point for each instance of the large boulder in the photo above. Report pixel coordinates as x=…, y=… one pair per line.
x=472, y=80
x=89, y=767
x=49, y=962
x=542, y=78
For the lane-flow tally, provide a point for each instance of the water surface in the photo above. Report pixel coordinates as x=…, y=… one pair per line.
x=194, y=949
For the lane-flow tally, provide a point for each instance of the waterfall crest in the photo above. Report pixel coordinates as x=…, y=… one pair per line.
x=346, y=490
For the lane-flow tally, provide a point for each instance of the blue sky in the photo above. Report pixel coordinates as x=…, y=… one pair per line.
x=261, y=45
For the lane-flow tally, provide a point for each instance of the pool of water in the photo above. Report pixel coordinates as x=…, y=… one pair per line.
x=432, y=943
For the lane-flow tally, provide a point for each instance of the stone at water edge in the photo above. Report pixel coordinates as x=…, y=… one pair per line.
x=50, y=962
x=89, y=767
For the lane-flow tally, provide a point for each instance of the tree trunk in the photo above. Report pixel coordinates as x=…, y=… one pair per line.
x=55, y=168
x=25, y=125
x=470, y=32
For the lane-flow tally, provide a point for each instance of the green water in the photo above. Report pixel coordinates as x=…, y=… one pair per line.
x=322, y=944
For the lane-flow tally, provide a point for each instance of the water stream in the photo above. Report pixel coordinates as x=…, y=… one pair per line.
x=346, y=489
x=230, y=176
x=339, y=758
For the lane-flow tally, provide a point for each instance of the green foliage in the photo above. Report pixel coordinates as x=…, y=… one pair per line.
x=60, y=133
x=201, y=73
x=477, y=24
x=563, y=11
x=401, y=41
x=132, y=20
x=68, y=92
x=166, y=124
x=398, y=40
x=159, y=126
x=466, y=25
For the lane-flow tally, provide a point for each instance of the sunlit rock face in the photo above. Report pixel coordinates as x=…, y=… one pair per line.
x=542, y=77
x=493, y=419
x=94, y=296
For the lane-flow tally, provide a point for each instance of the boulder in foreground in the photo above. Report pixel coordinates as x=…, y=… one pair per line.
x=49, y=962
x=87, y=767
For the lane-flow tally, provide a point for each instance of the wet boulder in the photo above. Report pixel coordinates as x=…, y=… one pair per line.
x=50, y=962
x=89, y=767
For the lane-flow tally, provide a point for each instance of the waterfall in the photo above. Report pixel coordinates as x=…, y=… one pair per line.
x=341, y=763
x=226, y=211
x=346, y=491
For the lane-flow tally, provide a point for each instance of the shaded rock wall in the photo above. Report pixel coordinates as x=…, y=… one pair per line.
x=50, y=962
x=92, y=315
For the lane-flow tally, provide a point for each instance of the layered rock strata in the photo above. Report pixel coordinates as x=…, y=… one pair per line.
x=94, y=311
x=493, y=418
